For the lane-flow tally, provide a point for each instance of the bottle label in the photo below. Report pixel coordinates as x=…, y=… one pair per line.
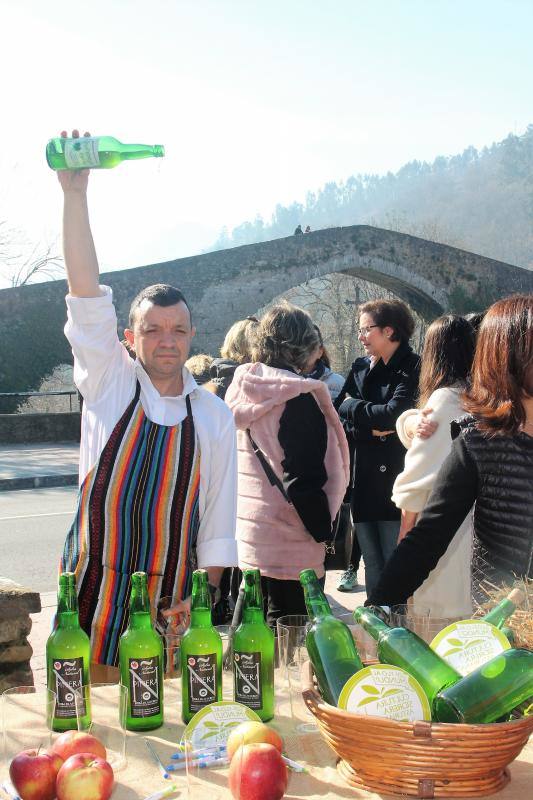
x=68, y=679
x=81, y=153
x=385, y=691
x=202, y=680
x=144, y=687
x=469, y=644
x=247, y=679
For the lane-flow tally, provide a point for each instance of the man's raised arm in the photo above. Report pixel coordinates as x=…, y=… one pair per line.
x=81, y=262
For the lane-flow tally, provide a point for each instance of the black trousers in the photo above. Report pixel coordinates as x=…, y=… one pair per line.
x=280, y=597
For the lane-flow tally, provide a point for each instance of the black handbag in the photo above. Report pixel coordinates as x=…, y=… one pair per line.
x=339, y=549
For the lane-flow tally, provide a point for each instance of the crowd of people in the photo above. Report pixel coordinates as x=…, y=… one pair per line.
x=245, y=460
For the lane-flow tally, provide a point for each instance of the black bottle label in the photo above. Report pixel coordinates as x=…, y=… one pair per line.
x=68, y=679
x=144, y=687
x=202, y=680
x=247, y=679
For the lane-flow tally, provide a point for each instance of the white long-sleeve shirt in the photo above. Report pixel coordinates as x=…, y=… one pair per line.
x=106, y=376
x=447, y=590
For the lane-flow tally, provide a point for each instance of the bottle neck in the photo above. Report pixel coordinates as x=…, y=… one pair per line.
x=140, y=605
x=252, y=609
x=67, y=608
x=200, y=602
x=371, y=623
x=316, y=601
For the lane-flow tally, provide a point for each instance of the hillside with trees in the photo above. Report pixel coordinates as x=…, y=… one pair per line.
x=479, y=200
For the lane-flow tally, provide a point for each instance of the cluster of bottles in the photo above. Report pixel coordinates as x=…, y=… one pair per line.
x=487, y=694
x=141, y=654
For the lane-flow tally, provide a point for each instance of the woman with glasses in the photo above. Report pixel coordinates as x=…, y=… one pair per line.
x=380, y=386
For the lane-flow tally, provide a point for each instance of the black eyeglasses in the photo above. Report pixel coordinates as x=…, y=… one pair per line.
x=364, y=331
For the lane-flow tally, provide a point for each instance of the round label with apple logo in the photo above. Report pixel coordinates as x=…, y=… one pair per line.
x=212, y=725
x=469, y=644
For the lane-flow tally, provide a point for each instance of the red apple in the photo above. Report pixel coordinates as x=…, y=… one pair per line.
x=33, y=774
x=72, y=742
x=257, y=772
x=252, y=733
x=84, y=777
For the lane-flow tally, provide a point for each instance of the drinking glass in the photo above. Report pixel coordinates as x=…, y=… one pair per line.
x=417, y=621
x=292, y=630
x=172, y=656
x=365, y=644
x=109, y=703
x=201, y=769
x=25, y=714
x=227, y=661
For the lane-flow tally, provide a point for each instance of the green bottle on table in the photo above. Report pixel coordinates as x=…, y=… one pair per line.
x=490, y=692
x=505, y=609
x=140, y=654
x=201, y=653
x=68, y=655
x=96, y=152
x=329, y=641
x=403, y=648
x=253, y=652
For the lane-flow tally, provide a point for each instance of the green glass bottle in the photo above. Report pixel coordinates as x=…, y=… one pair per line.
x=201, y=653
x=140, y=654
x=500, y=613
x=490, y=692
x=96, y=152
x=253, y=652
x=403, y=648
x=329, y=642
x=68, y=655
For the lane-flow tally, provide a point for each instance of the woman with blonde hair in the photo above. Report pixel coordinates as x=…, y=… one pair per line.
x=293, y=459
x=490, y=465
x=235, y=350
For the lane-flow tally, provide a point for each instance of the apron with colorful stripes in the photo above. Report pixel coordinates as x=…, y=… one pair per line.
x=137, y=511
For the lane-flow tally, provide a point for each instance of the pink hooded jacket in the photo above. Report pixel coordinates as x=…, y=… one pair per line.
x=270, y=534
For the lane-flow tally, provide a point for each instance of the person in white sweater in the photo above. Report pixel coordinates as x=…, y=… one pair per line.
x=425, y=432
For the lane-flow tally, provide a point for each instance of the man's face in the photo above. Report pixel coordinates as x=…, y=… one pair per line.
x=161, y=338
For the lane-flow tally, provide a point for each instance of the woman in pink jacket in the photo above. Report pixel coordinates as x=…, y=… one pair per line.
x=292, y=456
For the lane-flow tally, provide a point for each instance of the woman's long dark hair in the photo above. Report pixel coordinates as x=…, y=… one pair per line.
x=447, y=355
x=502, y=372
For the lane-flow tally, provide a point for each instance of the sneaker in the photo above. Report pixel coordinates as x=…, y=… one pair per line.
x=348, y=581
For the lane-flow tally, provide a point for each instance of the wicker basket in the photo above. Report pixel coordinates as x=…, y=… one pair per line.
x=418, y=759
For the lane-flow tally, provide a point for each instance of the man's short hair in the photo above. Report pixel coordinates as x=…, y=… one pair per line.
x=160, y=294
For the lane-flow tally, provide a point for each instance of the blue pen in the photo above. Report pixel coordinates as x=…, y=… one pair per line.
x=206, y=751
x=202, y=763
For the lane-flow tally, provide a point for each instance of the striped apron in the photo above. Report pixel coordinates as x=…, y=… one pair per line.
x=137, y=511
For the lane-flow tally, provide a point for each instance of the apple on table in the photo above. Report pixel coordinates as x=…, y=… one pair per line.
x=257, y=772
x=72, y=742
x=84, y=776
x=252, y=732
x=33, y=773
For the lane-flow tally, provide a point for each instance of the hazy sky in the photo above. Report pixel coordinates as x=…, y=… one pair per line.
x=256, y=102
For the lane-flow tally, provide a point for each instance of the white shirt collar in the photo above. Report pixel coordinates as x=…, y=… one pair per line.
x=189, y=384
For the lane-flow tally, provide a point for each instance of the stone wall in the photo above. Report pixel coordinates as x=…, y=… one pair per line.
x=16, y=605
x=31, y=428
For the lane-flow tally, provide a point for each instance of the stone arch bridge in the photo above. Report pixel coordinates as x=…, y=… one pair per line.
x=227, y=285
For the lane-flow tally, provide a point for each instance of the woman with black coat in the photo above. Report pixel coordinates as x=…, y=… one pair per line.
x=381, y=385
x=490, y=464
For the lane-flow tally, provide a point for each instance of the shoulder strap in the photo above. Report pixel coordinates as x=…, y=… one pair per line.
x=269, y=472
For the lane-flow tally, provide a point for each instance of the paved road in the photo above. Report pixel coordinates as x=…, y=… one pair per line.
x=33, y=526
